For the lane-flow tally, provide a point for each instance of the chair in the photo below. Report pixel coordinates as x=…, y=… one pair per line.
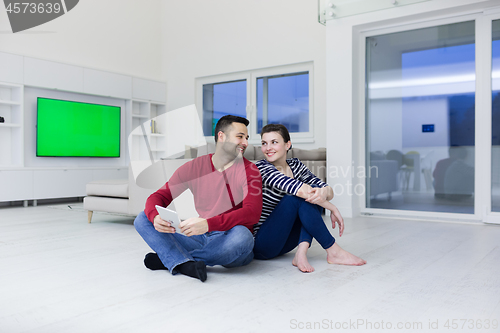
x=426, y=164
x=411, y=161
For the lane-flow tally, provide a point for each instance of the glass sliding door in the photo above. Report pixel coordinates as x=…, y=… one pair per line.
x=495, y=117
x=420, y=119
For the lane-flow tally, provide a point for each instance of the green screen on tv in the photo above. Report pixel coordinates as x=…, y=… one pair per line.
x=75, y=129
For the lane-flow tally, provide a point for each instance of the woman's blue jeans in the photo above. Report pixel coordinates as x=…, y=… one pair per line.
x=292, y=222
x=231, y=248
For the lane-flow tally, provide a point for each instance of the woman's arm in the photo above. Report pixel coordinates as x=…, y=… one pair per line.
x=303, y=191
x=318, y=195
x=335, y=216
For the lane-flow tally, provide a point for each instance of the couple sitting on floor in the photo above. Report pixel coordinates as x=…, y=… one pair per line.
x=246, y=210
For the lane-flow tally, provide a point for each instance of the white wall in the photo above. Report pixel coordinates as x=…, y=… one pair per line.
x=122, y=36
x=420, y=112
x=203, y=38
x=398, y=125
x=385, y=125
x=345, y=81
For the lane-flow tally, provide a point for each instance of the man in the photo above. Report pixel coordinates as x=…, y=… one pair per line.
x=227, y=190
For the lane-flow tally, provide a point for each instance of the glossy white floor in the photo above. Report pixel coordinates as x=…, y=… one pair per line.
x=60, y=274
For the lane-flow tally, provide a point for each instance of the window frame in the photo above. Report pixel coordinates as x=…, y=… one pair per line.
x=251, y=99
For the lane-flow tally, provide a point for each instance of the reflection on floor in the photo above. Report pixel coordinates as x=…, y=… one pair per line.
x=423, y=201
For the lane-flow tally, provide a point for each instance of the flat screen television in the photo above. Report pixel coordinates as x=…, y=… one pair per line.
x=75, y=129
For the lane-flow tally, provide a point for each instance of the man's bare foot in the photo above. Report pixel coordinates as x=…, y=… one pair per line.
x=336, y=255
x=300, y=259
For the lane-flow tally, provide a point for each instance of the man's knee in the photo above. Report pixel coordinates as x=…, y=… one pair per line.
x=243, y=236
x=141, y=221
x=240, y=243
x=241, y=239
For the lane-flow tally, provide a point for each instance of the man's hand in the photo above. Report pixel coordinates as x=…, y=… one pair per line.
x=162, y=225
x=194, y=226
x=337, y=218
x=317, y=195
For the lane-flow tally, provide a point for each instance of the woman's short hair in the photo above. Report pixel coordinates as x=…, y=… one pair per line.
x=281, y=129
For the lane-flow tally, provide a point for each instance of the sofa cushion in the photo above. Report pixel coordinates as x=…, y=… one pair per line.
x=309, y=155
x=259, y=155
x=104, y=204
x=190, y=152
x=209, y=148
x=249, y=152
x=117, y=188
x=318, y=168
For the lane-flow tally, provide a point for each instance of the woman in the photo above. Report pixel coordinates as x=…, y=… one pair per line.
x=293, y=200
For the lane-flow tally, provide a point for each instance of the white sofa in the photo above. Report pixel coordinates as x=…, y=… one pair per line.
x=128, y=196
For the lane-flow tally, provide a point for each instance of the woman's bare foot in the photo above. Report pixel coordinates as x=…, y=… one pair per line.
x=300, y=259
x=336, y=255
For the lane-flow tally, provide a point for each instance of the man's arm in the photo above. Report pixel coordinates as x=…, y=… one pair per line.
x=168, y=192
x=162, y=197
x=248, y=212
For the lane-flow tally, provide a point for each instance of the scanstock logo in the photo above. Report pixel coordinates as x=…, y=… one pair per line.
x=25, y=15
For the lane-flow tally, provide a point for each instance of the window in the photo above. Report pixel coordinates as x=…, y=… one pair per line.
x=273, y=95
x=220, y=99
x=284, y=99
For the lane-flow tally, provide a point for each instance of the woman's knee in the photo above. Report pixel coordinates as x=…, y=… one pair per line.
x=291, y=200
x=311, y=207
x=263, y=251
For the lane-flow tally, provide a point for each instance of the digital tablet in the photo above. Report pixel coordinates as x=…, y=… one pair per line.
x=169, y=216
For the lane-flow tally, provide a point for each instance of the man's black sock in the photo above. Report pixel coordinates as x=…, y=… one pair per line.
x=153, y=262
x=195, y=269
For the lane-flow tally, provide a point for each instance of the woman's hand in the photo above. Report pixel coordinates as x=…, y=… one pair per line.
x=337, y=218
x=318, y=195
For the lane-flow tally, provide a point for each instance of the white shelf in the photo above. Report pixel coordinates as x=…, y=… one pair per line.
x=9, y=85
x=10, y=167
x=4, y=102
x=140, y=112
x=11, y=131
x=140, y=116
x=156, y=135
x=9, y=125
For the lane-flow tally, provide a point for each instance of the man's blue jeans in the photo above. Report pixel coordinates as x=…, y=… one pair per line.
x=231, y=248
x=292, y=221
